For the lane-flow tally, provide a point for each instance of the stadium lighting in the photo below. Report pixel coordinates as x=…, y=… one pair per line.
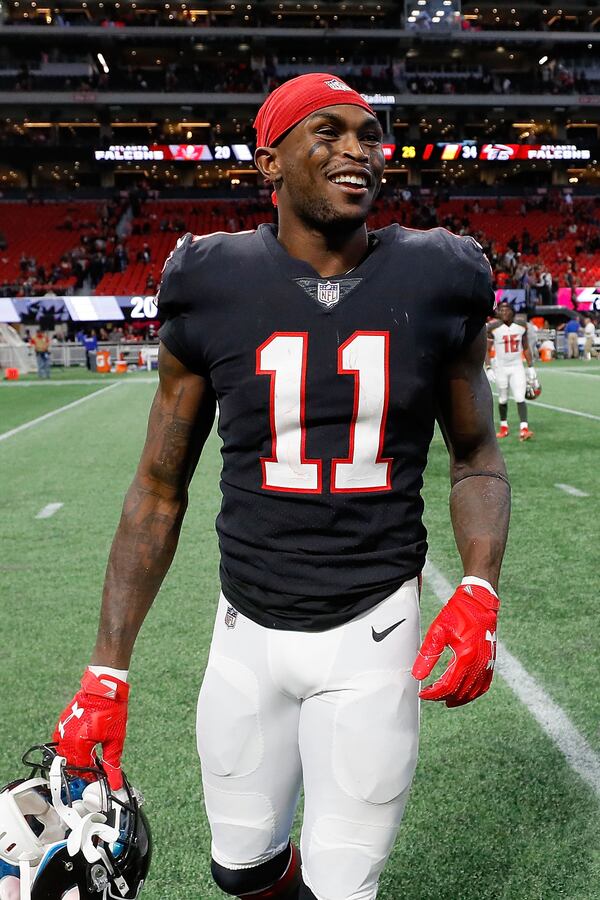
x=542, y=60
x=102, y=62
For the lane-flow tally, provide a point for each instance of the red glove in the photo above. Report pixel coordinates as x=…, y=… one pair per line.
x=96, y=715
x=466, y=624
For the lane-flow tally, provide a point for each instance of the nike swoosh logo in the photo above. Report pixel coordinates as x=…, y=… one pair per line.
x=380, y=635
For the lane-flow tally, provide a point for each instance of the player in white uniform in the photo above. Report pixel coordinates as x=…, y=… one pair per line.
x=509, y=341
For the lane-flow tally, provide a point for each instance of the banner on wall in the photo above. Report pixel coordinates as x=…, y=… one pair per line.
x=588, y=298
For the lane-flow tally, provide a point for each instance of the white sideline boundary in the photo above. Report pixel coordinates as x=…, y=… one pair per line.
x=55, y=412
x=562, y=409
x=50, y=382
x=550, y=717
x=571, y=372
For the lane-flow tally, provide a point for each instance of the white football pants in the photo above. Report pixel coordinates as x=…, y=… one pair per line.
x=337, y=711
x=512, y=377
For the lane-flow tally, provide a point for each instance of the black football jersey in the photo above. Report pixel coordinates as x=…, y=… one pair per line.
x=326, y=392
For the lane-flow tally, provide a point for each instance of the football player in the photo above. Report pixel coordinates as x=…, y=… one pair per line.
x=331, y=352
x=510, y=344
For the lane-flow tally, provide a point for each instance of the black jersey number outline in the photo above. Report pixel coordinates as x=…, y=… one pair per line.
x=365, y=356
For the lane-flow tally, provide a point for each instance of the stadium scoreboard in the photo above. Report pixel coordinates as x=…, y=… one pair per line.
x=471, y=151
x=417, y=153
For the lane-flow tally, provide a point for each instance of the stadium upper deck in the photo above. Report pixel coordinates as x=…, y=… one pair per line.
x=78, y=79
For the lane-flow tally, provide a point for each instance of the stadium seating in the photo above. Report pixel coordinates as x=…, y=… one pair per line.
x=39, y=231
x=205, y=217
x=36, y=231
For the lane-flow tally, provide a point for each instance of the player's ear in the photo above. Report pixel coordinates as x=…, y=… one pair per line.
x=267, y=162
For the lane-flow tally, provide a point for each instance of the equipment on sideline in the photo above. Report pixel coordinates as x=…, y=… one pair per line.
x=466, y=624
x=65, y=835
x=97, y=714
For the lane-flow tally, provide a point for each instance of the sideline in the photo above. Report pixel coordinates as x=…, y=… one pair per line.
x=55, y=412
x=550, y=717
x=570, y=372
x=563, y=409
x=48, y=383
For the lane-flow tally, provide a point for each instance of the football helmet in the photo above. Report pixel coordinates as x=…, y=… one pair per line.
x=65, y=835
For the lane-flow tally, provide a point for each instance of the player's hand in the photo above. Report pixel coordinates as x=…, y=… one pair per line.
x=491, y=375
x=531, y=375
x=466, y=624
x=97, y=714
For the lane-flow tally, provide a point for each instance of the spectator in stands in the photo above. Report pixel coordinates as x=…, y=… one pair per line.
x=41, y=344
x=572, y=329
x=144, y=254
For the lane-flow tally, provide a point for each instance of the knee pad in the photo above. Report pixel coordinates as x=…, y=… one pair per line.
x=257, y=878
x=345, y=859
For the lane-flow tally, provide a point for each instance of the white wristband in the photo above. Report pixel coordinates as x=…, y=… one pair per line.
x=108, y=670
x=479, y=582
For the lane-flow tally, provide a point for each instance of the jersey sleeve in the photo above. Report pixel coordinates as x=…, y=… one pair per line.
x=474, y=294
x=179, y=285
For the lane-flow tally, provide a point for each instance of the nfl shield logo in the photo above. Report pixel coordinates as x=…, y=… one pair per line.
x=231, y=617
x=328, y=293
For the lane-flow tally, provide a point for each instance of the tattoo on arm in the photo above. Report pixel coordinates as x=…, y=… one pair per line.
x=146, y=539
x=479, y=506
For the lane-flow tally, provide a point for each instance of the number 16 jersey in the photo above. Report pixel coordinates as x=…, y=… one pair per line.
x=326, y=390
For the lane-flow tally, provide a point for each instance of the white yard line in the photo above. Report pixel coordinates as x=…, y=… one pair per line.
x=55, y=383
x=562, y=409
x=550, y=717
x=49, y=510
x=569, y=372
x=569, y=489
x=56, y=412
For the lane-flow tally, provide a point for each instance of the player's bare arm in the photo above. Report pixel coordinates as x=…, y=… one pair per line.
x=480, y=509
x=479, y=505
x=180, y=420
x=527, y=350
x=142, y=551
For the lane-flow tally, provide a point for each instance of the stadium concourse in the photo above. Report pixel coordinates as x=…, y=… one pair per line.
x=124, y=125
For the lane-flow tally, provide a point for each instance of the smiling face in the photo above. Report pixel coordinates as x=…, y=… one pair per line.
x=327, y=170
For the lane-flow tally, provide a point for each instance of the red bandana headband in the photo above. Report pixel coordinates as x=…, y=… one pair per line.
x=298, y=98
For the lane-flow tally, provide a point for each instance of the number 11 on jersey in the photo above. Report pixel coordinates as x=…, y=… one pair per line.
x=364, y=356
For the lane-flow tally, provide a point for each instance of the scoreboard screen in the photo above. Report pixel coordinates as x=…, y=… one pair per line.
x=487, y=152
x=416, y=153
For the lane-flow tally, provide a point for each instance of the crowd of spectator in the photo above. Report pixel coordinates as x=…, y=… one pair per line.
x=521, y=262
x=260, y=73
x=96, y=249
x=538, y=265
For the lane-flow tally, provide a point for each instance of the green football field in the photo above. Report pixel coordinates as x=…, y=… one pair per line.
x=506, y=799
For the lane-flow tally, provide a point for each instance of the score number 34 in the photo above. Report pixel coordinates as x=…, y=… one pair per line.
x=365, y=356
